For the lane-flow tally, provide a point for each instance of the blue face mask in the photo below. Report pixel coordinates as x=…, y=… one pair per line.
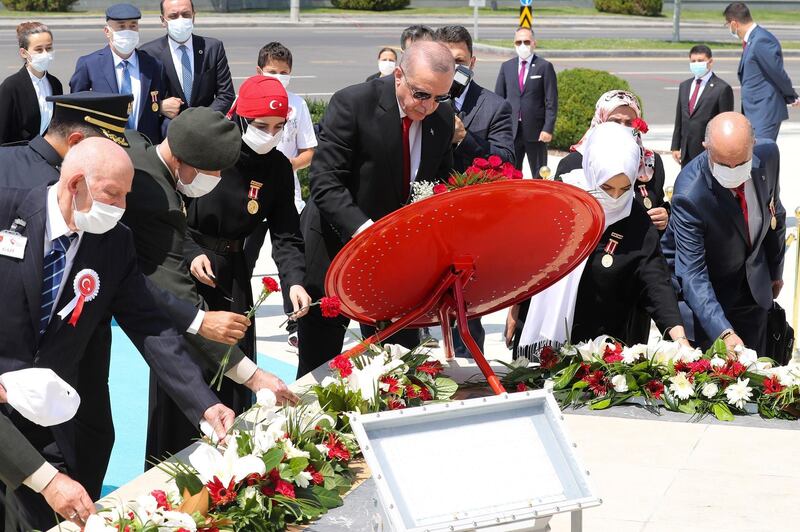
x=699, y=69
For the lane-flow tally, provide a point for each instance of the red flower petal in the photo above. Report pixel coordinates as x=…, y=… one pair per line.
x=330, y=306
x=270, y=284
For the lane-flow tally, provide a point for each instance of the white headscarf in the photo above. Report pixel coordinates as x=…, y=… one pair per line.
x=611, y=149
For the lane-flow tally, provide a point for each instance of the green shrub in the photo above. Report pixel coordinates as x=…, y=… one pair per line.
x=38, y=5
x=578, y=92
x=317, y=110
x=649, y=8
x=371, y=5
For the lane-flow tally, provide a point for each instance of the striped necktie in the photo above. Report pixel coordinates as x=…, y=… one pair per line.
x=186, y=74
x=126, y=88
x=52, y=272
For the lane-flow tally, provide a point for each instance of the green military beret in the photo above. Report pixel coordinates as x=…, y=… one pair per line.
x=205, y=139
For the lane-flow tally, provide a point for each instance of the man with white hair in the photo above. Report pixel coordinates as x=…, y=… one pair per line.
x=377, y=138
x=61, y=283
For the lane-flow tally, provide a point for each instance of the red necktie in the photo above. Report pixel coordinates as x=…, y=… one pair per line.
x=406, y=157
x=739, y=191
x=522, y=76
x=693, y=99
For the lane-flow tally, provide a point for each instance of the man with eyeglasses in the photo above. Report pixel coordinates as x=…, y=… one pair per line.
x=377, y=138
x=528, y=82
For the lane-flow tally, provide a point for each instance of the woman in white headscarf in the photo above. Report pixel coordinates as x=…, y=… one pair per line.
x=626, y=268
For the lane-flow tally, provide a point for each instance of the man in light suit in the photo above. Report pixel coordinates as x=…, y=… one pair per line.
x=700, y=98
x=483, y=127
x=69, y=228
x=727, y=234
x=529, y=84
x=766, y=88
x=195, y=67
x=120, y=68
x=357, y=179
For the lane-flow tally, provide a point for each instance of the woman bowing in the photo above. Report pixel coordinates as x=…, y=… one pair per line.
x=259, y=189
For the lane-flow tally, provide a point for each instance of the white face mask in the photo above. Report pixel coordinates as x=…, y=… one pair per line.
x=386, y=67
x=260, y=141
x=100, y=219
x=283, y=78
x=125, y=41
x=200, y=186
x=699, y=69
x=180, y=29
x=41, y=62
x=613, y=207
x=524, y=51
x=731, y=177
x=733, y=31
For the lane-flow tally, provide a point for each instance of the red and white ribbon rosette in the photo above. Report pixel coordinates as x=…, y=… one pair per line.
x=86, y=286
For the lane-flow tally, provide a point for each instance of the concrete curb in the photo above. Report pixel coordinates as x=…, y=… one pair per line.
x=508, y=52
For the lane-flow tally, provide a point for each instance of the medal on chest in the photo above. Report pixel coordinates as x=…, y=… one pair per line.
x=154, y=99
x=252, y=204
x=648, y=203
x=86, y=286
x=608, y=259
x=773, y=221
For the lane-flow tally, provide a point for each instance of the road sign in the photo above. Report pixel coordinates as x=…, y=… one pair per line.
x=477, y=3
x=525, y=16
x=525, y=3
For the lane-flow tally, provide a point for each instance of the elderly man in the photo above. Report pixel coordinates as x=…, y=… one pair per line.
x=726, y=234
x=69, y=228
x=377, y=138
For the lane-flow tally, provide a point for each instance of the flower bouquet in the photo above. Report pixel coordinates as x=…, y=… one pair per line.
x=489, y=170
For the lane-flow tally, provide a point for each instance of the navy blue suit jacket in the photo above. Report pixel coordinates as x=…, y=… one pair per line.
x=706, y=245
x=96, y=72
x=487, y=119
x=538, y=102
x=766, y=88
x=122, y=293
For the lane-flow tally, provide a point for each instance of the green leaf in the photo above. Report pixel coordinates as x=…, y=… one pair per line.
x=297, y=465
x=722, y=412
x=188, y=482
x=689, y=407
x=326, y=498
x=566, y=376
x=580, y=385
x=631, y=381
x=445, y=388
x=601, y=404
x=272, y=458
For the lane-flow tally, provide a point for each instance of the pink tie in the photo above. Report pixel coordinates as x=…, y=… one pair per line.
x=693, y=99
x=522, y=76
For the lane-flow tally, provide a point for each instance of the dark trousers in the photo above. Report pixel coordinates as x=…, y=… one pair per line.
x=320, y=339
x=476, y=331
x=749, y=322
x=23, y=509
x=536, y=152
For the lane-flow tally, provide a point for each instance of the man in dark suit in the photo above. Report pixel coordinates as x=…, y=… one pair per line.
x=483, y=127
x=726, y=235
x=700, y=99
x=120, y=68
x=196, y=68
x=766, y=88
x=377, y=138
x=529, y=84
x=69, y=229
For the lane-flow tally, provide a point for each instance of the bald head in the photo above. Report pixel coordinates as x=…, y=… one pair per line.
x=428, y=55
x=94, y=170
x=729, y=139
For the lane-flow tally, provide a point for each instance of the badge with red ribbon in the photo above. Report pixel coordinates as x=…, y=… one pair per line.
x=86, y=286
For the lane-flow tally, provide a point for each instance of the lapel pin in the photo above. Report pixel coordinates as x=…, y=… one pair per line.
x=200, y=52
x=431, y=131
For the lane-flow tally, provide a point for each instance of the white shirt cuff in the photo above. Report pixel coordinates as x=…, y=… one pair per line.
x=41, y=477
x=197, y=323
x=363, y=226
x=241, y=372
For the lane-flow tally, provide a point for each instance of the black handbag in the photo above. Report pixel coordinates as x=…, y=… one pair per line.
x=780, y=335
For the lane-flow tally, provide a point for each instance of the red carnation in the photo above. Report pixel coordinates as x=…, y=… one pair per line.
x=342, y=364
x=521, y=387
x=425, y=393
x=732, y=369
x=392, y=383
x=270, y=284
x=495, y=161
x=412, y=391
x=598, y=383
x=285, y=488
x=221, y=494
x=548, y=358
x=612, y=353
x=640, y=125
x=582, y=370
x=161, y=499
x=654, y=388
x=701, y=366
x=336, y=449
x=481, y=163
x=773, y=385
x=394, y=404
x=453, y=181
x=330, y=306
x=316, y=476
x=439, y=188
x=432, y=368
x=471, y=171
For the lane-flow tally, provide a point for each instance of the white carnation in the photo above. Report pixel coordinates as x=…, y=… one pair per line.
x=710, y=390
x=620, y=383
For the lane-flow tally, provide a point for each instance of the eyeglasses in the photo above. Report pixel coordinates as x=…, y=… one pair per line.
x=520, y=43
x=422, y=95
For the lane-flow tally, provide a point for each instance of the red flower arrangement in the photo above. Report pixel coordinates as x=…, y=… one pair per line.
x=613, y=353
x=481, y=171
x=640, y=125
x=772, y=385
x=343, y=365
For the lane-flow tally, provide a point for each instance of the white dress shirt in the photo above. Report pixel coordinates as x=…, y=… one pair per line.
x=177, y=58
x=43, y=90
x=747, y=35
x=298, y=134
x=703, y=83
x=136, y=83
